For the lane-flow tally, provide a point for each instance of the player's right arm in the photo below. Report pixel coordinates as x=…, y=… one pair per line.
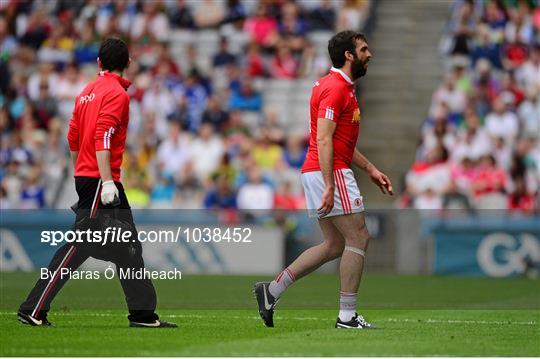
x=325, y=148
x=73, y=135
x=329, y=109
x=108, y=120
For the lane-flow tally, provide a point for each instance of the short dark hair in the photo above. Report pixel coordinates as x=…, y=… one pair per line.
x=114, y=54
x=341, y=42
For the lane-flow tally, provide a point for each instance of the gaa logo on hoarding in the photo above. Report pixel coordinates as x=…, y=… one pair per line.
x=502, y=255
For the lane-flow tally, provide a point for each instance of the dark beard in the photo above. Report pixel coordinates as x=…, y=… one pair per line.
x=358, y=69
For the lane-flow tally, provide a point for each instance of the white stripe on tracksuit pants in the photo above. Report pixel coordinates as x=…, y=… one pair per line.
x=140, y=294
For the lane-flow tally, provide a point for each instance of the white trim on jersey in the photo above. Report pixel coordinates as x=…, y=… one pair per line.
x=343, y=74
x=329, y=114
x=107, y=138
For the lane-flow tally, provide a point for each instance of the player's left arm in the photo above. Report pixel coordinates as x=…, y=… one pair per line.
x=377, y=177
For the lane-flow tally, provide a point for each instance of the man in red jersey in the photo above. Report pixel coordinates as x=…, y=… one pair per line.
x=331, y=190
x=97, y=138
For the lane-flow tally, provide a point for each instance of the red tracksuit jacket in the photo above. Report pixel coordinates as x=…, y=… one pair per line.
x=99, y=122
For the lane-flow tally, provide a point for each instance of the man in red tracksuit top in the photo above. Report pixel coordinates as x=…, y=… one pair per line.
x=97, y=138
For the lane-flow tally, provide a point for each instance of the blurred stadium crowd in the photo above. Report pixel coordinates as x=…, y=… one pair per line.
x=201, y=134
x=480, y=146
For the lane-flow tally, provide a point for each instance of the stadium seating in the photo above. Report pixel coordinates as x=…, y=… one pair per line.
x=62, y=41
x=483, y=128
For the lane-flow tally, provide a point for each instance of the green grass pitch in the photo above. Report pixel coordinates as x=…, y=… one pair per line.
x=416, y=316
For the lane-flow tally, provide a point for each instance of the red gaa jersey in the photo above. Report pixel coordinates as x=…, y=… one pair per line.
x=99, y=122
x=333, y=98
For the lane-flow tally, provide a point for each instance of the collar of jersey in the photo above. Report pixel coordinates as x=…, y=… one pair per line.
x=124, y=82
x=343, y=74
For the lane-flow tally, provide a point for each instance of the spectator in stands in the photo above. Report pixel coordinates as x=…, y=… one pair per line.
x=502, y=152
x=487, y=87
x=235, y=34
x=189, y=186
x=292, y=27
x=511, y=91
x=520, y=27
x=173, y=153
x=6, y=127
x=70, y=84
x=442, y=132
x=472, y=141
x=165, y=66
x=520, y=200
x=529, y=113
x=295, y=151
x=215, y=115
x=58, y=48
x=463, y=79
x=246, y=98
x=234, y=11
x=138, y=194
x=352, y=14
x=206, y=151
x=196, y=95
x=12, y=182
x=19, y=151
x=181, y=16
x=462, y=175
x=515, y=54
x=46, y=106
x=8, y=42
x=323, y=16
x=180, y=113
x=221, y=195
x=283, y=65
x=262, y=28
x=495, y=15
x=151, y=23
x=428, y=200
x=36, y=30
x=255, y=196
x=136, y=181
x=223, y=56
x=53, y=157
x=452, y=96
x=163, y=191
x=4, y=199
x=209, y=14
x=266, y=154
x=33, y=191
x=461, y=29
x=428, y=180
x=158, y=100
x=285, y=198
x=485, y=48
x=255, y=66
x=526, y=160
x=44, y=74
x=502, y=122
x=490, y=178
x=529, y=74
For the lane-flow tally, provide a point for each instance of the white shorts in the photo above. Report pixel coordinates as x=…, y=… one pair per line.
x=347, y=198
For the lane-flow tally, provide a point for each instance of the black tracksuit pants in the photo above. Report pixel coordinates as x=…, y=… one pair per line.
x=140, y=293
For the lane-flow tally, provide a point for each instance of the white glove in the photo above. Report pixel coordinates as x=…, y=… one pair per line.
x=108, y=192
